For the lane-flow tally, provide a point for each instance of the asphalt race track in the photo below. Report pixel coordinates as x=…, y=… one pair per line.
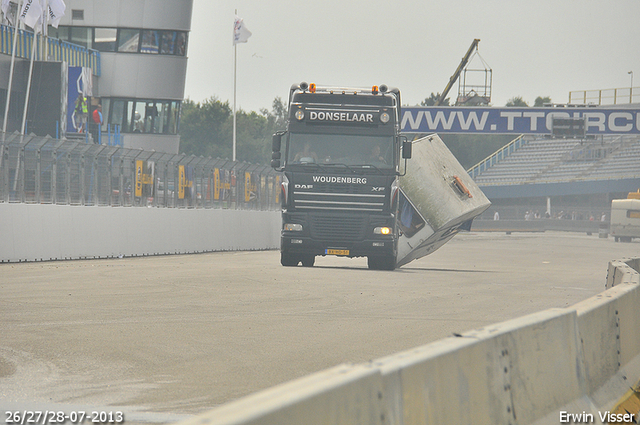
x=160, y=338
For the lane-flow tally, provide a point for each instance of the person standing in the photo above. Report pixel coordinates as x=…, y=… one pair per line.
x=81, y=112
x=97, y=123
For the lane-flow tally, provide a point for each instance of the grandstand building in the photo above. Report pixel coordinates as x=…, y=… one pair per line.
x=572, y=178
x=138, y=76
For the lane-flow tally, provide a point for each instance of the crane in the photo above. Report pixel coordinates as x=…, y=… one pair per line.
x=454, y=77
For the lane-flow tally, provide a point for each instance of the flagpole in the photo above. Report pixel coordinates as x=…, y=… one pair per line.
x=13, y=61
x=45, y=32
x=26, y=99
x=235, y=61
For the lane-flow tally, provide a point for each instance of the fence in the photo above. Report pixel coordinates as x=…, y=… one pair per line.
x=56, y=50
x=618, y=96
x=45, y=170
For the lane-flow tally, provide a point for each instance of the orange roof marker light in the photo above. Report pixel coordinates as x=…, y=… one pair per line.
x=374, y=90
x=312, y=87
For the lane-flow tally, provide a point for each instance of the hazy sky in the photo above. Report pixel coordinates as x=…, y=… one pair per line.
x=535, y=48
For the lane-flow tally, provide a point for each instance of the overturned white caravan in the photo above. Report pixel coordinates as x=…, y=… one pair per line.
x=438, y=200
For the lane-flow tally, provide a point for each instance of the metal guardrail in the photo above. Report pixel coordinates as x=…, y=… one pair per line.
x=57, y=50
x=619, y=96
x=45, y=170
x=505, y=151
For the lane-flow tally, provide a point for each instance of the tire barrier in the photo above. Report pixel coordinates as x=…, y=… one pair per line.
x=556, y=366
x=59, y=232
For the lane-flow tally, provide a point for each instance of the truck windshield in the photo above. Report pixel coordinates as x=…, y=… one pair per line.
x=350, y=150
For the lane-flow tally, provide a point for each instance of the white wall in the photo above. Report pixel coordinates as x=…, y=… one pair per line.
x=136, y=75
x=49, y=232
x=153, y=14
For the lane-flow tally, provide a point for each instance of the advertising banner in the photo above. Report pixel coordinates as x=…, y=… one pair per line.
x=249, y=187
x=186, y=187
x=492, y=120
x=217, y=186
x=144, y=178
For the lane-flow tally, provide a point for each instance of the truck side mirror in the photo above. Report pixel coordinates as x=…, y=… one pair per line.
x=276, y=144
x=406, y=149
x=277, y=141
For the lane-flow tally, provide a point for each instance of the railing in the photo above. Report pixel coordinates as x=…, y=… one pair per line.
x=57, y=50
x=619, y=96
x=489, y=161
x=45, y=170
x=111, y=137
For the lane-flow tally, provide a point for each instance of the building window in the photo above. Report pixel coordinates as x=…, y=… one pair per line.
x=105, y=39
x=61, y=32
x=77, y=14
x=81, y=36
x=143, y=116
x=168, y=42
x=181, y=43
x=150, y=41
x=128, y=40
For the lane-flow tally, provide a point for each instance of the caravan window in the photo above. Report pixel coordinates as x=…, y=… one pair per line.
x=633, y=213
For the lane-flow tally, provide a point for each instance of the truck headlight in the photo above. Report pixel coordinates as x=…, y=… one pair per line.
x=384, y=117
x=299, y=115
x=382, y=231
x=293, y=227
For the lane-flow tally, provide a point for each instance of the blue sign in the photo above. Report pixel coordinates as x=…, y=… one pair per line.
x=489, y=120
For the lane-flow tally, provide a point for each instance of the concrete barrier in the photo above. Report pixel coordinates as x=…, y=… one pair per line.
x=556, y=366
x=345, y=394
x=494, y=379
x=54, y=232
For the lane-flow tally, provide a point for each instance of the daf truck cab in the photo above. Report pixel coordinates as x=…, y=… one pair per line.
x=340, y=157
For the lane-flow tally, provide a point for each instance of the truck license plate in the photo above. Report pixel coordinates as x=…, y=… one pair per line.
x=337, y=251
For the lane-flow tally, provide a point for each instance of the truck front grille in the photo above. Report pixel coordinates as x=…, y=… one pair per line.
x=339, y=201
x=338, y=227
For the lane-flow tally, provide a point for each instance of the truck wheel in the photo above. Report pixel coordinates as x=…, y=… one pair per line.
x=381, y=263
x=308, y=260
x=288, y=260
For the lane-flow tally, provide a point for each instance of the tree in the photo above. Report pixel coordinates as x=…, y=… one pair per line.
x=207, y=129
x=432, y=99
x=517, y=101
x=541, y=101
x=278, y=115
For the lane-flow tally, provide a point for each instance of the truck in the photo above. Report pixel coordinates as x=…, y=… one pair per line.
x=625, y=218
x=344, y=162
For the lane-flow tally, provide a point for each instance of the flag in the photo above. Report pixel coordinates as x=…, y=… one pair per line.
x=31, y=14
x=6, y=10
x=240, y=32
x=56, y=12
